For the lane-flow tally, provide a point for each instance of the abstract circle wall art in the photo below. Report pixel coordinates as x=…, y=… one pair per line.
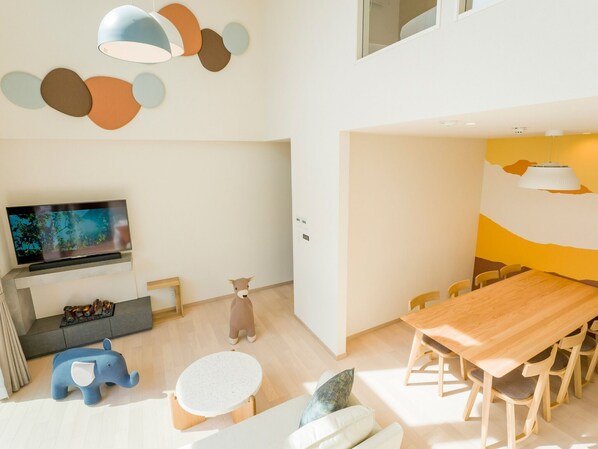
x=113, y=102
x=187, y=25
x=110, y=102
x=148, y=90
x=236, y=38
x=213, y=54
x=23, y=89
x=65, y=91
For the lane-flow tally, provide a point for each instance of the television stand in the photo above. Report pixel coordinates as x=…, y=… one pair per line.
x=73, y=261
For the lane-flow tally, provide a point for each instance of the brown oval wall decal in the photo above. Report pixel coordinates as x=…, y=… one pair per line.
x=65, y=91
x=187, y=25
x=213, y=54
x=113, y=102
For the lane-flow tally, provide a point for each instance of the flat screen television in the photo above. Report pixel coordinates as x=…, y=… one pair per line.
x=65, y=231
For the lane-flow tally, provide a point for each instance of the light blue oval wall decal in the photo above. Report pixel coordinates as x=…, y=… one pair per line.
x=23, y=89
x=236, y=38
x=148, y=90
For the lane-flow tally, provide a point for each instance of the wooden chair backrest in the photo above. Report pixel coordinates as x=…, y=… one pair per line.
x=541, y=367
x=419, y=302
x=594, y=327
x=571, y=341
x=455, y=289
x=509, y=269
x=483, y=278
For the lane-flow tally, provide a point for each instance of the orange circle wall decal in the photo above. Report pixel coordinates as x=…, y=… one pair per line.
x=213, y=54
x=66, y=92
x=187, y=25
x=113, y=102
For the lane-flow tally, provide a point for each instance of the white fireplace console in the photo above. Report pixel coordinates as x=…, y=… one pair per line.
x=18, y=282
x=45, y=336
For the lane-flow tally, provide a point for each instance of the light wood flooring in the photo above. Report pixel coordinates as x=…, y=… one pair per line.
x=292, y=360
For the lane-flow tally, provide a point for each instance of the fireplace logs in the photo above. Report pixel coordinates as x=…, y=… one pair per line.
x=79, y=314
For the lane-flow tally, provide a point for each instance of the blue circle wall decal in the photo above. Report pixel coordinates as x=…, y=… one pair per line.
x=236, y=38
x=23, y=89
x=148, y=90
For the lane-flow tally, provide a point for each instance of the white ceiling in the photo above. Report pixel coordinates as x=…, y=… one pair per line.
x=572, y=116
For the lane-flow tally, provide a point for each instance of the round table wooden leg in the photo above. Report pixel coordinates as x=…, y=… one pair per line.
x=181, y=419
x=247, y=410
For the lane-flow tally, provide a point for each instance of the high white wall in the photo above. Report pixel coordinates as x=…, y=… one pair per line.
x=486, y=60
x=199, y=105
x=413, y=213
x=203, y=211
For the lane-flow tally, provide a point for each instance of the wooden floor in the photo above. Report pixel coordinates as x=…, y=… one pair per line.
x=292, y=359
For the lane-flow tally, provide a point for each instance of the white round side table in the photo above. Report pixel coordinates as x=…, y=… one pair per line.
x=217, y=384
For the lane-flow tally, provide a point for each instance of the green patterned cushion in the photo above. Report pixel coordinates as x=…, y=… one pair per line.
x=330, y=397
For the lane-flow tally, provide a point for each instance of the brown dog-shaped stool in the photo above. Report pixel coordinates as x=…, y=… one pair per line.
x=241, y=312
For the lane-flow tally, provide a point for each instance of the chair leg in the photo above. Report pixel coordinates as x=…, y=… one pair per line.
x=511, y=435
x=475, y=388
x=577, y=378
x=440, y=375
x=414, y=355
x=546, y=402
x=566, y=378
x=592, y=367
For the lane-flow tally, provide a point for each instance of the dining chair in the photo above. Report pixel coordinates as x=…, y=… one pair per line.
x=483, y=279
x=430, y=346
x=567, y=358
x=508, y=270
x=593, y=367
x=519, y=387
x=589, y=349
x=455, y=289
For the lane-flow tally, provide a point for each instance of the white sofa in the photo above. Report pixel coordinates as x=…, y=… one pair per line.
x=270, y=429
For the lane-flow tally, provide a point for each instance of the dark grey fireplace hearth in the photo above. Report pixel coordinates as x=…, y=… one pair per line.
x=46, y=336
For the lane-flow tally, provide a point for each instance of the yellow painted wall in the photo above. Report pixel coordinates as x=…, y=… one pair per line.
x=495, y=243
x=580, y=152
x=498, y=243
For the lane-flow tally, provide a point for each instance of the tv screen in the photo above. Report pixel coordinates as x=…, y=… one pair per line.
x=61, y=231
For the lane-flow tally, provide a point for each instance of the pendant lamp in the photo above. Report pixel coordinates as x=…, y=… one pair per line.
x=173, y=35
x=131, y=34
x=550, y=175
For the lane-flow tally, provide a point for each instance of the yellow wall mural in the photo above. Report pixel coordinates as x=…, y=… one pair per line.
x=578, y=151
x=548, y=231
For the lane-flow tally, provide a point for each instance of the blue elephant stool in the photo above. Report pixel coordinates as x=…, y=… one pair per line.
x=87, y=369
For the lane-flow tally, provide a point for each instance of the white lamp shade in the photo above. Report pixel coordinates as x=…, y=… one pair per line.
x=131, y=34
x=549, y=176
x=174, y=37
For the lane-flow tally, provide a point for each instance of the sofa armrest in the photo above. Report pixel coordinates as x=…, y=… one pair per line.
x=390, y=437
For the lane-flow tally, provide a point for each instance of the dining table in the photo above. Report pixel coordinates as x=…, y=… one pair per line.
x=499, y=327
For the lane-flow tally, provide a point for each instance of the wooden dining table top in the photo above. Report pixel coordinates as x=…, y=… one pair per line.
x=502, y=325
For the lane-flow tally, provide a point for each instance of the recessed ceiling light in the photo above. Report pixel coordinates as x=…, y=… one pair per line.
x=470, y=123
x=449, y=123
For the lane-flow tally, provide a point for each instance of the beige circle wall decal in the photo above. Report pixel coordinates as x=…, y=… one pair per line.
x=113, y=103
x=148, y=90
x=236, y=38
x=65, y=91
x=23, y=89
x=213, y=54
x=187, y=25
